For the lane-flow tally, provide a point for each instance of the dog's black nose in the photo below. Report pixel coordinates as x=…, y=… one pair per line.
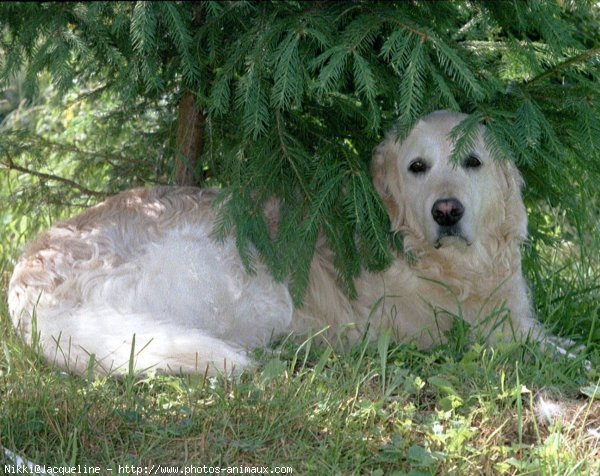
x=447, y=211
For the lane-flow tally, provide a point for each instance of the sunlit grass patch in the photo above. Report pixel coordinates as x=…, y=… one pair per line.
x=430, y=412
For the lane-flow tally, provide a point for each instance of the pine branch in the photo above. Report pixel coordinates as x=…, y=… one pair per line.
x=288, y=86
x=55, y=178
x=52, y=145
x=288, y=155
x=423, y=35
x=565, y=64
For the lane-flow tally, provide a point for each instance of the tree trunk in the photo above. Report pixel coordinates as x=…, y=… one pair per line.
x=190, y=123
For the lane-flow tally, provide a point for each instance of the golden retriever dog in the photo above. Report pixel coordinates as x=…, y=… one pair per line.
x=138, y=279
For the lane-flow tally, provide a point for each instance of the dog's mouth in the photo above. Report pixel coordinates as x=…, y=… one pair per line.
x=451, y=236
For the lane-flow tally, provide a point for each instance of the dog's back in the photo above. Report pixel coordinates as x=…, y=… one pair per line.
x=143, y=264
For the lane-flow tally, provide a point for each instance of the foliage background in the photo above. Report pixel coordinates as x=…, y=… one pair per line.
x=291, y=97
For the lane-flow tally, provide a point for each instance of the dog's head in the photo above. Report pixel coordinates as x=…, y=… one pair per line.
x=441, y=202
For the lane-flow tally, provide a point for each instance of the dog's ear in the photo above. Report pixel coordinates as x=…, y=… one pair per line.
x=515, y=214
x=387, y=181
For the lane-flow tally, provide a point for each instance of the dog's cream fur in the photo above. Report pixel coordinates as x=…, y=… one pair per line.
x=143, y=264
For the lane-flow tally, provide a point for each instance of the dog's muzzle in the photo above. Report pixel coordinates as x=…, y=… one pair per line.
x=447, y=213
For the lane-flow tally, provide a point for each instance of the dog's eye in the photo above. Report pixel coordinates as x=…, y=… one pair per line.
x=418, y=166
x=472, y=162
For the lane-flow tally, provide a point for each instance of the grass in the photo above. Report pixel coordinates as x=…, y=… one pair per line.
x=375, y=409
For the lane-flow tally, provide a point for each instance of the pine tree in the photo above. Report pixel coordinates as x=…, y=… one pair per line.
x=291, y=97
